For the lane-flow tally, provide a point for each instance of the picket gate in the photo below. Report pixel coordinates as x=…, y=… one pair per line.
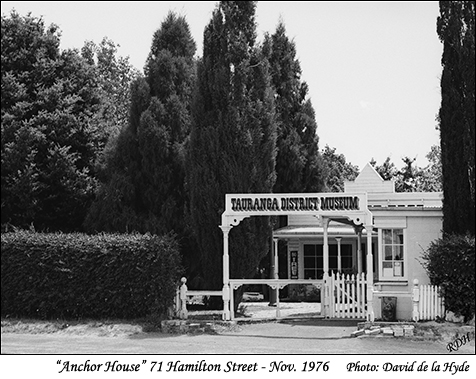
x=347, y=295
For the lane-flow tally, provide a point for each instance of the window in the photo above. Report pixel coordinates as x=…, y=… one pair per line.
x=314, y=260
x=392, y=254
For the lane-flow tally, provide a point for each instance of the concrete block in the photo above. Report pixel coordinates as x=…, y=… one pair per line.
x=451, y=317
x=364, y=325
x=357, y=333
x=398, y=332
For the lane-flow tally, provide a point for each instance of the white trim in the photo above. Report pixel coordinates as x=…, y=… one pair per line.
x=380, y=259
x=390, y=222
x=405, y=200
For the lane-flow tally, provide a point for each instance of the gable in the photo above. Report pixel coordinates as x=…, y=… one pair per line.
x=369, y=181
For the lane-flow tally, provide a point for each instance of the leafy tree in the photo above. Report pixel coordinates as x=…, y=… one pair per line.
x=49, y=143
x=115, y=75
x=233, y=140
x=412, y=178
x=144, y=188
x=455, y=27
x=408, y=177
x=298, y=164
x=431, y=175
x=337, y=170
x=387, y=170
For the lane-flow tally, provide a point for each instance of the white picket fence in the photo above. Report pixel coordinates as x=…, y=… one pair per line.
x=347, y=295
x=427, y=302
x=348, y=298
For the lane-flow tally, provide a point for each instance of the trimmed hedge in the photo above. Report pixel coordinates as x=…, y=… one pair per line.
x=55, y=275
x=449, y=262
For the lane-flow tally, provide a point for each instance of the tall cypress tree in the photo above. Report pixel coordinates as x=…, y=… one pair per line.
x=233, y=140
x=145, y=187
x=455, y=28
x=298, y=163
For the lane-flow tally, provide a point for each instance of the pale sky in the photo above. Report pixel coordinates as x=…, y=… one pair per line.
x=373, y=68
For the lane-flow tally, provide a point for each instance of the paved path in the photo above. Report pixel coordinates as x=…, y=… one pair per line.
x=265, y=338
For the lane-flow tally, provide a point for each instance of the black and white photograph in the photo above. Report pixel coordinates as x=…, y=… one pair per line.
x=215, y=188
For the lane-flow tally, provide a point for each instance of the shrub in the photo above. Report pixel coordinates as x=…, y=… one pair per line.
x=449, y=262
x=51, y=275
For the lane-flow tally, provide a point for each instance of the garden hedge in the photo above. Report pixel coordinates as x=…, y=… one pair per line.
x=55, y=275
x=449, y=262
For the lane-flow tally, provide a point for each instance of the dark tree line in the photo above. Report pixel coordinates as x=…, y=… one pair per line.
x=125, y=152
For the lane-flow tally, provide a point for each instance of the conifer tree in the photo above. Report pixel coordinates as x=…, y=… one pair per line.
x=299, y=166
x=115, y=75
x=144, y=190
x=455, y=27
x=233, y=141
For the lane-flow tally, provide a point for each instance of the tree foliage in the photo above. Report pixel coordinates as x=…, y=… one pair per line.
x=387, y=170
x=410, y=177
x=49, y=143
x=431, y=176
x=115, y=75
x=449, y=262
x=337, y=170
x=144, y=186
x=298, y=163
x=455, y=27
x=232, y=145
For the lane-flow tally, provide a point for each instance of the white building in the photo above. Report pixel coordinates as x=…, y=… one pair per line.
x=404, y=224
x=369, y=228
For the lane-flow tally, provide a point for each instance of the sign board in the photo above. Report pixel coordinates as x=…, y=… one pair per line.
x=256, y=204
x=239, y=206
